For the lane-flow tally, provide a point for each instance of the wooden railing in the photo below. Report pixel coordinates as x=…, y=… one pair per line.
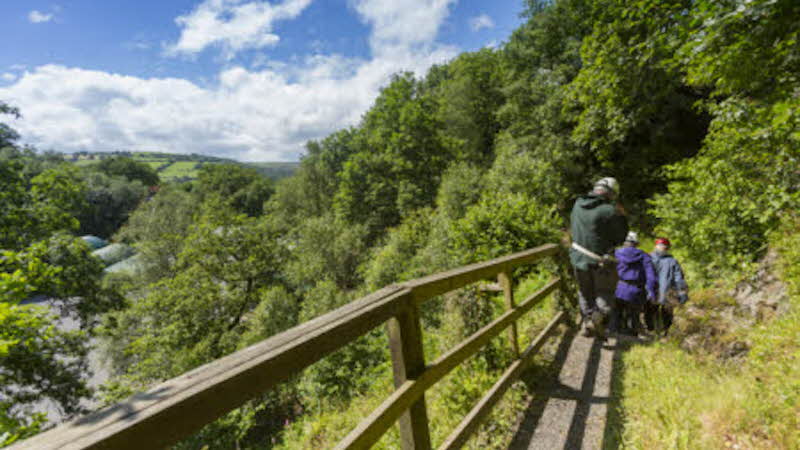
x=180, y=406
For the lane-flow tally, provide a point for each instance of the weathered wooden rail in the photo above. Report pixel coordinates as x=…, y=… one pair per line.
x=180, y=406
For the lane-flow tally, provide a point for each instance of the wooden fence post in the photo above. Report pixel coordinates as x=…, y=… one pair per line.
x=408, y=363
x=505, y=281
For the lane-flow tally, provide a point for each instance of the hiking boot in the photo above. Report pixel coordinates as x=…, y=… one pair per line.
x=598, y=324
x=586, y=329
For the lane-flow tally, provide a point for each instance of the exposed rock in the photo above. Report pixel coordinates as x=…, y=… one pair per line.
x=714, y=324
x=765, y=295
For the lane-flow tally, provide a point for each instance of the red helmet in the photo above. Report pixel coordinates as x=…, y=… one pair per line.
x=664, y=241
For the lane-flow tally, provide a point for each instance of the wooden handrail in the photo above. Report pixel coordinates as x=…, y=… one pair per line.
x=373, y=427
x=178, y=407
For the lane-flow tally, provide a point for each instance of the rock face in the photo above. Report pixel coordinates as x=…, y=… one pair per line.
x=713, y=324
x=765, y=296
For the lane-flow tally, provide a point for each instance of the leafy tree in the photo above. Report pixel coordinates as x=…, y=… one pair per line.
x=395, y=261
x=33, y=209
x=158, y=227
x=310, y=192
x=462, y=186
x=58, y=195
x=37, y=362
x=12, y=204
x=241, y=187
x=228, y=264
x=110, y=202
x=468, y=102
x=8, y=136
x=722, y=203
x=499, y=226
x=129, y=168
x=347, y=372
x=327, y=248
x=62, y=269
x=401, y=160
x=535, y=154
x=634, y=113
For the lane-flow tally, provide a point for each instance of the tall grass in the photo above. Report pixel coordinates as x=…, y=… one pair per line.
x=671, y=399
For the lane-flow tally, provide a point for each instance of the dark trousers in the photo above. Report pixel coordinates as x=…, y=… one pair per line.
x=628, y=316
x=657, y=316
x=596, y=290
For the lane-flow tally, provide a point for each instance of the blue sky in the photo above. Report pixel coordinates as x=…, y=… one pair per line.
x=247, y=79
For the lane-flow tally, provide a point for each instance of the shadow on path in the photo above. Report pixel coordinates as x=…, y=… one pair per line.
x=572, y=397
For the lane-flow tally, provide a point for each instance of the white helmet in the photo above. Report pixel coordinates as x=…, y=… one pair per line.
x=632, y=237
x=609, y=184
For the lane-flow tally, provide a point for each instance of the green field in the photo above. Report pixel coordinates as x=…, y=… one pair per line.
x=155, y=164
x=181, y=168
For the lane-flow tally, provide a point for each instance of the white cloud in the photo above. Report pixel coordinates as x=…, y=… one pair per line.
x=39, y=17
x=266, y=112
x=402, y=23
x=480, y=22
x=232, y=25
x=8, y=77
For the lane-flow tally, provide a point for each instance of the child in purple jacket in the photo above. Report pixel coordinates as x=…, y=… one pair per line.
x=636, y=286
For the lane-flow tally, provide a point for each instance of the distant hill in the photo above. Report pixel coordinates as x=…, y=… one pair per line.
x=180, y=167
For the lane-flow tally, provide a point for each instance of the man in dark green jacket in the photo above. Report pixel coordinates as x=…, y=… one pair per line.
x=598, y=225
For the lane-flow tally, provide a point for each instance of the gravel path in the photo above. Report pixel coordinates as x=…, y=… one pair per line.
x=570, y=412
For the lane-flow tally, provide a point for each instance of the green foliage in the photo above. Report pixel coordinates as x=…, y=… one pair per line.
x=37, y=361
x=159, y=227
x=60, y=268
x=242, y=188
x=278, y=310
x=722, y=203
x=36, y=207
x=462, y=186
x=395, y=261
x=319, y=170
x=535, y=154
x=633, y=111
x=401, y=158
x=226, y=266
x=748, y=48
x=348, y=371
x=468, y=101
x=111, y=200
x=327, y=248
x=39, y=197
x=8, y=136
x=501, y=225
x=132, y=170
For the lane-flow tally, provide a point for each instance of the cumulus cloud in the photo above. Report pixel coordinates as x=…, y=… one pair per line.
x=402, y=23
x=39, y=17
x=232, y=25
x=480, y=22
x=8, y=76
x=263, y=113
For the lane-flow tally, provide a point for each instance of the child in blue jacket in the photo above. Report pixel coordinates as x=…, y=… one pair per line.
x=672, y=288
x=637, y=285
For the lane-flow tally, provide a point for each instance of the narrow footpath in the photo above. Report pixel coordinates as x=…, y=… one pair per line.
x=571, y=412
